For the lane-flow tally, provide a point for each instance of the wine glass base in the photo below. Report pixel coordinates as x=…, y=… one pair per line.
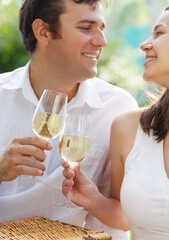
x=69, y=205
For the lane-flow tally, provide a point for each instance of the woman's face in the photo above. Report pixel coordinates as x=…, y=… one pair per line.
x=156, y=48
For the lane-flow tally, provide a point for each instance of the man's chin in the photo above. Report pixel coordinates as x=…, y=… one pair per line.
x=87, y=73
x=92, y=74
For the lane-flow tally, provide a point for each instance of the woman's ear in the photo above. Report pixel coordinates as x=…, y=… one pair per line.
x=40, y=30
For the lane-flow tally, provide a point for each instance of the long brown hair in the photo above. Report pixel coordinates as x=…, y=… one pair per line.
x=155, y=118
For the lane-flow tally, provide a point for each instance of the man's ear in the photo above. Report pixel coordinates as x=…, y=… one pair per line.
x=40, y=29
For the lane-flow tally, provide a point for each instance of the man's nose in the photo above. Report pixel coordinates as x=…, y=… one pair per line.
x=99, y=39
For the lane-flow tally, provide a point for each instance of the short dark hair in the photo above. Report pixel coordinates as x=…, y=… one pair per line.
x=47, y=10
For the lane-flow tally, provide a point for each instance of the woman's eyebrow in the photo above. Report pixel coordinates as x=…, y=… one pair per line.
x=157, y=26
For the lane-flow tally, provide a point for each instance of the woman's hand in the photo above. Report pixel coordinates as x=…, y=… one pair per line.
x=85, y=194
x=83, y=190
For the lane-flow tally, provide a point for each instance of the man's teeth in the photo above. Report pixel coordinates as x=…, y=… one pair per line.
x=90, y=56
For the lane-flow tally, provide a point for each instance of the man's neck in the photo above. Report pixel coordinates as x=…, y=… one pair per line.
x=40, y=79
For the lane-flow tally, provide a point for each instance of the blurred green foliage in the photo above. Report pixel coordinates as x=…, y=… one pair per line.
x=134, y=12
x=122, y=71
x=122, y=60
x=12, y=52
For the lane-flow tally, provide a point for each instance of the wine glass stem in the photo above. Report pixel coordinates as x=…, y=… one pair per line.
x=69, y=198
x=68, y=201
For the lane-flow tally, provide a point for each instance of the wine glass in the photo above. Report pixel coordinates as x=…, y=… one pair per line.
x=75, y=143
x=50, y=116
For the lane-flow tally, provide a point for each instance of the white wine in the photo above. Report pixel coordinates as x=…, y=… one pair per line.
x=48, y=125
x=74, y=148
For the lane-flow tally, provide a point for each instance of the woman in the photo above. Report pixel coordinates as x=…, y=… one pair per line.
x=140, y=157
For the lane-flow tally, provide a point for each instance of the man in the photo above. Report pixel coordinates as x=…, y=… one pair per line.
x=65, y=39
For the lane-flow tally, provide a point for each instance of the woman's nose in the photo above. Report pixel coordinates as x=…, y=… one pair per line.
x=146, y=45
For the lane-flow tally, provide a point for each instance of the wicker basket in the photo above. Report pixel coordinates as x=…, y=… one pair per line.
x=40, y=228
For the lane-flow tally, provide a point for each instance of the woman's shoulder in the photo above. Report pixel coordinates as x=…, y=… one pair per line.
x=128, y=119
x=124, y=129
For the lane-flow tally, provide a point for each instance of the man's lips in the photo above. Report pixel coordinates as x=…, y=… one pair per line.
x=93, y=56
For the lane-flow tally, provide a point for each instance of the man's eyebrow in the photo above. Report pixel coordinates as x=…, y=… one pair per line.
x=91, y=22
x=157, y=26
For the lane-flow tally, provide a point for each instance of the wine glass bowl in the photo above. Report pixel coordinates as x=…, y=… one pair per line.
x=50, y=114
x=74, y=149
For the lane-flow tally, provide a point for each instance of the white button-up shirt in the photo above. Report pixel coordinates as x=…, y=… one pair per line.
x=22, y=197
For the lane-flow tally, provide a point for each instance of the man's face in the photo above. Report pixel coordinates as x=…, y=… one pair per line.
x=78, y=51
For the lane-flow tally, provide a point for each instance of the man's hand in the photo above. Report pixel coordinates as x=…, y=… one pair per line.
x=23, y=156
x=83, y=190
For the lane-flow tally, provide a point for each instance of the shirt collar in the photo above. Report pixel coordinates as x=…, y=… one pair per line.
x=87, y=92
x=19, y=79
x=15, y=79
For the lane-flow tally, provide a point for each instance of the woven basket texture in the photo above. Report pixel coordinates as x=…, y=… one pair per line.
x=39, y=228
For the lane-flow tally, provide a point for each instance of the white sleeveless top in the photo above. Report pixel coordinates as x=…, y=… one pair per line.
x=145, y=190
